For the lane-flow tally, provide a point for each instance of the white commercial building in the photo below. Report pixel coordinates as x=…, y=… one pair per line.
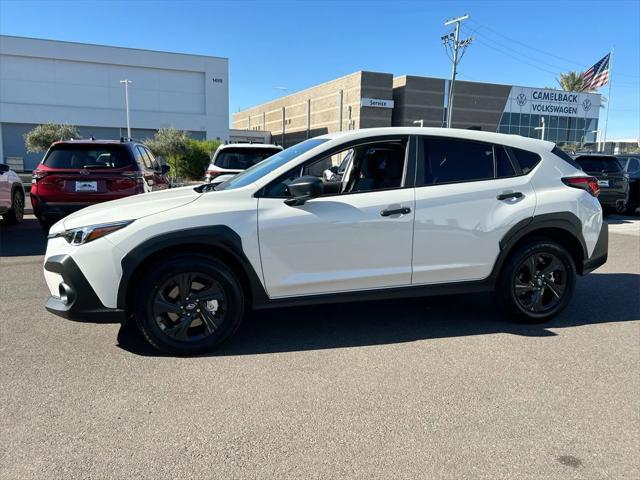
x=79, y=84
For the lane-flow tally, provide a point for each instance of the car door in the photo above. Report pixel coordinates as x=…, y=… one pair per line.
x=354, y=239
x=468, y=195
x=5, y=189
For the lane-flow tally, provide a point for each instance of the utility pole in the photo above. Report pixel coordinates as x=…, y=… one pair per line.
x=126, y=102
x=457, y=48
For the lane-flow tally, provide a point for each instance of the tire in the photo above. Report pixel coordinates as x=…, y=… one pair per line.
x=45, y=224
x=16, y=214
x=170, y=313
x=517, y=291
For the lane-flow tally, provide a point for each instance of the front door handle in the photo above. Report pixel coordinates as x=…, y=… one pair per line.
x=395, y=211
x=506, y=196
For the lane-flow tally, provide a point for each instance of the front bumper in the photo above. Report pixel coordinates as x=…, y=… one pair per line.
x=77, y=300
x=600, y=251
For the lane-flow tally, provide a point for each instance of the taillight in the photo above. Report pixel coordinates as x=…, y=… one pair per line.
x=38, y=175
x=135, y=176
x=590, y=184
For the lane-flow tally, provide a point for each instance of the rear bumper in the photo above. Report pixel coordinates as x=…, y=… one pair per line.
x=611, y=198
x=55, y=210
x=78, y=300
x=600, y=251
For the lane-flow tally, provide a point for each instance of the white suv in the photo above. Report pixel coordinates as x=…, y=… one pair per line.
x=418, y=211
x=233, y=158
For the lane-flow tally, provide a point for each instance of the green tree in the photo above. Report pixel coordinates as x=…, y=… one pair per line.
x=186, y=157
x=40, y=138
x=573, y=82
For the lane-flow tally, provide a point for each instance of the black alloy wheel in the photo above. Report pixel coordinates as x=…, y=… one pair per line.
x=189, y=306
x=187, y=303
x=536, y=281
x=540, y=282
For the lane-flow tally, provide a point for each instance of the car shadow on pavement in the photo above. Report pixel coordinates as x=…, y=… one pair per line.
x=23, y=239
x=621, y=219
x=599, y=298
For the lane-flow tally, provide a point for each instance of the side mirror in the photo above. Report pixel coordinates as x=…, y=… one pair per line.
x=303, y=189
x=164, y=169
x=4, y=167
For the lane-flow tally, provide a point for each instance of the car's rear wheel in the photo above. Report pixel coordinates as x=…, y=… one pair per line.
x=188, y=304
x=537, y=281
x=16, y=213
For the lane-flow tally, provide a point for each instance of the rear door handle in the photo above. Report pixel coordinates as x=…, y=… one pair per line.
x=506, y=196
x=395, y=211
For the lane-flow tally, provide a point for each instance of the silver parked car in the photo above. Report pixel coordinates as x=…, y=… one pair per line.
x=11, y=195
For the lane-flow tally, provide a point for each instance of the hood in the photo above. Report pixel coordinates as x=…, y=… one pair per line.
x=129, y=208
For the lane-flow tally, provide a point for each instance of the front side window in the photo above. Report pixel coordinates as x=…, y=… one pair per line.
x=358, y=169
x=452, y=161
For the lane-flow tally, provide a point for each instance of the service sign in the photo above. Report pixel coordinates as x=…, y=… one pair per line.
x=376, y=102
x=537, y=101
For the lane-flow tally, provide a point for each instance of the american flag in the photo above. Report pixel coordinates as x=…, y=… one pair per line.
x=598, y=75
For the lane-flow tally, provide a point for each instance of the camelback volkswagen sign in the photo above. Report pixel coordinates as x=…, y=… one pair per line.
x=538, y=101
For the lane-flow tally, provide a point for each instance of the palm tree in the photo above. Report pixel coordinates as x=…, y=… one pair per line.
x=572, y=82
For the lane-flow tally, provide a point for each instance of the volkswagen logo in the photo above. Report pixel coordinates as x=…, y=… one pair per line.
x=521, y=99
x=586, y=104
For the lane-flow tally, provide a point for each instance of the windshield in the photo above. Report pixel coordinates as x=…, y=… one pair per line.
x=88, y=156
x=243, y=158
x=261, y=169
x=599, y=164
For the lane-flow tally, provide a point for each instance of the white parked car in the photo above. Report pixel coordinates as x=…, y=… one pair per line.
x=233, y=158
x=11, y=195
x=418, y=212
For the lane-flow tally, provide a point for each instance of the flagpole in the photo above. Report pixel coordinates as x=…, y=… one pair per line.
x=606, y=122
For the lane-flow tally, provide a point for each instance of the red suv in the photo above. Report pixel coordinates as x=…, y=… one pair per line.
x=77, y=173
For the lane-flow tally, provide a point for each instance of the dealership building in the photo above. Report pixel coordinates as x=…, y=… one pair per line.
x=80, y=84
x=374, y=99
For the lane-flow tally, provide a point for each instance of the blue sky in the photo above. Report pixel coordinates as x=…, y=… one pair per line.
x=299, y=44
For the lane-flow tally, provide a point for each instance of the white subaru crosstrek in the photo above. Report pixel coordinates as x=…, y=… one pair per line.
x=418, y=211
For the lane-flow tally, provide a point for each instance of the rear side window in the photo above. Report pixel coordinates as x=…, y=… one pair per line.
x=88, y=157
x=504, y=167
x=558, y=152
x=527, y=160
x=242, y=158
x=452, y=161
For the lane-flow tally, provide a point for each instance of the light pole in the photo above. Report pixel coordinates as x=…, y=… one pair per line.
x=126, y=102
x=456, y=45
x=419, y=122
x=541, y=128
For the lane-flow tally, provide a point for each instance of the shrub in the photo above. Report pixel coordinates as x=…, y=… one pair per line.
x=40, y=138
x=186, y=157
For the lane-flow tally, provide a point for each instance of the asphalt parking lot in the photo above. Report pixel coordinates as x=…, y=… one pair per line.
x=433, y=388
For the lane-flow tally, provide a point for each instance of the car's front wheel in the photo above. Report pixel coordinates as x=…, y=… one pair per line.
x=16, y=213
x=537, y=281
x=188, y=304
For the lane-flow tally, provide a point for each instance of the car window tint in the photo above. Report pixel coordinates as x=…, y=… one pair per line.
x=558, y=152
x=528, y=160
x=596, y=164
x=633, y=166
x=504, y=167
x=154, y=163
x=242, y=158
x=88, y=157
x=368, y=167
x=451, y=161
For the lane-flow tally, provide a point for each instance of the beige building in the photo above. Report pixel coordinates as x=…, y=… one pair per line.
x=341, y=104
x=372, y=99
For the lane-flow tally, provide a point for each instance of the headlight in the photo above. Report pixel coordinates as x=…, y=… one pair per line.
x=79, y=236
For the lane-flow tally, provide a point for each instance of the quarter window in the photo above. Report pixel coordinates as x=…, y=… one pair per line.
x=527, y=160
x=504, y=167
